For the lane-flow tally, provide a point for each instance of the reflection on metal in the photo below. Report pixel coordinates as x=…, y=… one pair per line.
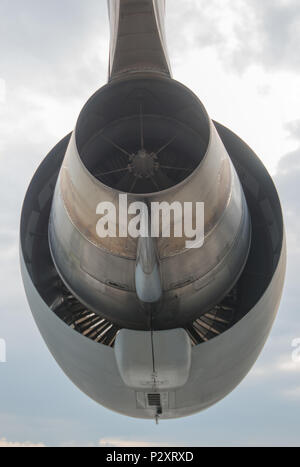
x=138, y=42
x=102, y=269
x=147, y=272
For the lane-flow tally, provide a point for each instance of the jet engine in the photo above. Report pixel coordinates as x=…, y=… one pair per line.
x=152, y=239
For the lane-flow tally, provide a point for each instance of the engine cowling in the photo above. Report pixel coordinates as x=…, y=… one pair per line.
x=152, y=326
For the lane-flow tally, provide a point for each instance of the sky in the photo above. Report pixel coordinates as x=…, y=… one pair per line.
x=242, y=59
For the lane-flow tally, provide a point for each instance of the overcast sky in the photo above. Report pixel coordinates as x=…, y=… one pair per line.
x=241, y=57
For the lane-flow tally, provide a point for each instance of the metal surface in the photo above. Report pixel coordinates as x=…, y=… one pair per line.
x=156, y=361
x=101, y=271
x=147, y=272
x=137, y=38
x=219, y=364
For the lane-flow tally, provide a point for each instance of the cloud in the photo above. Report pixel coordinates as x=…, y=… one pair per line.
x=12, y=444
x=268, y=33
x=287, y=182
x=293, y=128
x=243, y=33
x=40, y=34
x=283, y=364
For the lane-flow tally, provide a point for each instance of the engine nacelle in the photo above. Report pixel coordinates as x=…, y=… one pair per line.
x=164, y=324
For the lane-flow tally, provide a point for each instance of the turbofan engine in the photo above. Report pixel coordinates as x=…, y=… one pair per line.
x=152, y=239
